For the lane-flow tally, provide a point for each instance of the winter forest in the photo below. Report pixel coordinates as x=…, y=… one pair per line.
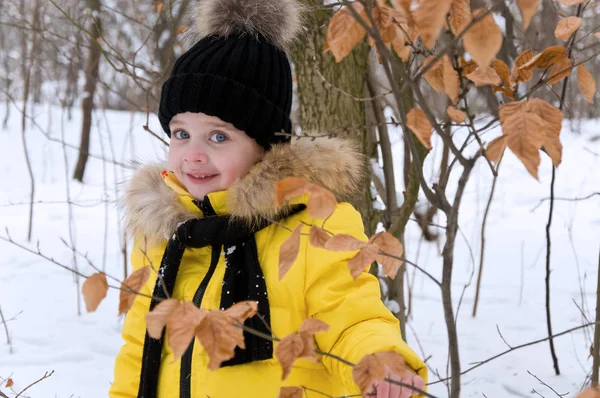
x=480, y=129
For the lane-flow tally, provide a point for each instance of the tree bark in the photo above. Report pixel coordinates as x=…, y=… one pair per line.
x=91, y=80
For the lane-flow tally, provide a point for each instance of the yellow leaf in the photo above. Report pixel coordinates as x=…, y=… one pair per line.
x=528, y=9
x=495, y=149
x=484, y=39
x=460, y=15
x=131, y=287
x=318, y=237
x=566, y=27
x=392, y=251
x=344, y=242
x=372, y=368
x=219, y=337
x=344, y=32
x=451, y=80
x=587, y=83
x=420, y=126
x=156, y=319
x=181, y=326
x=571, y=2
x=287, y=351
x=291, y=392
x=362, y=260
x=456, y=115
x=429, y=18
x=485, y=77
x=289, y=252
x=94, y=290
x=522, y=75
x=561, y=70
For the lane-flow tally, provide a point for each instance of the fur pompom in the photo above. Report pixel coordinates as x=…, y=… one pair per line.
x=276, y=20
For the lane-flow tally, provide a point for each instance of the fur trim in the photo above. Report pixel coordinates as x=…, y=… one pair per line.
x=153, y=210
x=276, y=20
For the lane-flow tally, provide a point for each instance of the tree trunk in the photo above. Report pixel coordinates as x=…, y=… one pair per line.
x=323, y=108
x=91, y=79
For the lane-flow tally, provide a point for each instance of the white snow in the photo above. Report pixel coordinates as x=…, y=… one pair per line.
x=47, y=334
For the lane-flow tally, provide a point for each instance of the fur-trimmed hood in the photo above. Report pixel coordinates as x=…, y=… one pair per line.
x=153, y=209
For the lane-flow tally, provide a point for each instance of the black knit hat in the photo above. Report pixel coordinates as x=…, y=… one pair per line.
x=238, y=69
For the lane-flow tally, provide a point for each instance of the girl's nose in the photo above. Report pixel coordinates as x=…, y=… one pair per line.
x=195, y=154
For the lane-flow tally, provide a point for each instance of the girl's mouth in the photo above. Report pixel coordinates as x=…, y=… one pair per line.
x=201, y=178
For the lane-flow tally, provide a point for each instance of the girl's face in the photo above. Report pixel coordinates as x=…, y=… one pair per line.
x=207, y=154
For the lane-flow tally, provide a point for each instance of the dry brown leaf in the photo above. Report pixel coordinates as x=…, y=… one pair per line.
x=460, y=15
x=288, y=350
x=495, y=149
x=94, y=290
x=362, y=260
x=571, y=2
x=523, y=75
x=597, y=34
x=435, y=75
x=503, y=71
x=528, y=9
x=566, y=27
x=291, y=392
x=289, y=188
x=560, y=71
x=159, y=6
x=451, y=80
x=219, y=338
x=307, y=330
x=550, y=56
x=9, y=383
x=552, y=118
x=344, y=31
x=344, y=242
x=420, y=126
x=318, y=237
x=587, y=83
x=131, y=287
x=456, y=115
x=466, y=67
x=289, y=252
x=321, y=202
x=509, y=93
x=156, y=319
x=181, y=326
x=429, y=19
x=372, y=368
x=485, y=77
x=242, y=311
x=484, y=39
x=525, y=133
x=391, y=246
x=182, y=29
x=589, y=393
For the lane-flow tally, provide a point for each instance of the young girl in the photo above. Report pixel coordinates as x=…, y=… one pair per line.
x=205, y=221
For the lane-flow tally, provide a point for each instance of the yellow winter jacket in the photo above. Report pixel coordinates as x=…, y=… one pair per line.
x=318, y=285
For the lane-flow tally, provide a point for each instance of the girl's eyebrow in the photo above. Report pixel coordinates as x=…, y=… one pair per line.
x=175, y=123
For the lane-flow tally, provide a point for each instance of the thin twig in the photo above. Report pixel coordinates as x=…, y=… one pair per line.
x=546, y=385
x=45, y=376
x=10, y=347
x=566, y=199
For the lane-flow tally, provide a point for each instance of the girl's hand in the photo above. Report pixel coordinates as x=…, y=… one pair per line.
x=383, y=389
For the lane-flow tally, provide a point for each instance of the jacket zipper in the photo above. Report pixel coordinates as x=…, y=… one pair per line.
x=185, y=375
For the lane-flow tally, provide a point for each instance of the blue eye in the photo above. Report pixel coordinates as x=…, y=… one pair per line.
x=218, y=137
x=181, y=135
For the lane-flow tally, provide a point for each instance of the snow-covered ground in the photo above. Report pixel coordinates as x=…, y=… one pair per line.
x=40, y=299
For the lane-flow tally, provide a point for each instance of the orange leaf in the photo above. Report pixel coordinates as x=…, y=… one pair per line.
x=131, y=287
x=484, y=39
x=291, y=392
x=181, y=326
x=182, y=29
x=429, y=19
x=289, y=188
x=528, y=9
x=321, y=202
x=586, y=82
x=307, y=330
x=219, y=338
x=344, y=242
x=456, y=115
x=503, y=71
x=242, y=311
x=485, y=77
x=435, y=75
x=597, y=34
x=451, y=80
x=460, y=15
x=566, y=27
x=571, y=2
x=289, y=252
x=589, y=393
x=391, y=246
x=159, y=7
x=442, y=77
x=550, y=56
x=560, y=71
x=371, y=368
x=156, y=319
x=495, y=149
x=522, y=75
x=420, y=126
x=362, y=260
x=504, y=91
x=288, y=350
x=100, y=40
x=552, y=118
x=466, y=66
x=318, y=237
x=94, y=290
x=9, y=383
x=344, y=32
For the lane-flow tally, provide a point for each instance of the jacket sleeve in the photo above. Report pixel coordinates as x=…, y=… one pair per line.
x=360, y=324
x=128, y=364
